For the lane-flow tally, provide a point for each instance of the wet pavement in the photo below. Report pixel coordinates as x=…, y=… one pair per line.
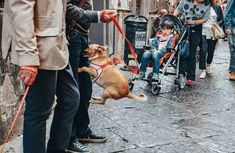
x=194, y=120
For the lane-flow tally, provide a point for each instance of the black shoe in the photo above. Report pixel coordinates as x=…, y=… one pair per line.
x=93, y=138
x=77, y=147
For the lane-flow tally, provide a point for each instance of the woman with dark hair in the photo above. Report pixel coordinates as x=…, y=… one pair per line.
x=194, y=14
x=208, y=39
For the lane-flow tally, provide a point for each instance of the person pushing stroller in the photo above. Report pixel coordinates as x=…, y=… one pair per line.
x=158, y=48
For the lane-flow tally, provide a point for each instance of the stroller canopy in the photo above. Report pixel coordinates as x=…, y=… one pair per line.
x=176, y=21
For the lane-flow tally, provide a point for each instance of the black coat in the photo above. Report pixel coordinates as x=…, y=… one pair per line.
x=220, y=16
x=83, y=15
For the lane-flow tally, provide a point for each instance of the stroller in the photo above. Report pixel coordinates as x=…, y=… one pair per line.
x=170, y=62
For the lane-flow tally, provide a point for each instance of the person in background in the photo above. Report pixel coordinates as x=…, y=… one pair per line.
x=78, y=21
x=174, y=6
x=163, y=12
x=159, y=47
x=194, y=14
x=229, y=22
x=34, y=33
x=208, y=40
x=223, y=6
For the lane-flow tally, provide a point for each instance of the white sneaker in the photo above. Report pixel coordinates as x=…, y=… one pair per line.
x=203, y=75
x=208, y=69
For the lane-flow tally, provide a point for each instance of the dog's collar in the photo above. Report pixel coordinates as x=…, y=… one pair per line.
x=106, y=64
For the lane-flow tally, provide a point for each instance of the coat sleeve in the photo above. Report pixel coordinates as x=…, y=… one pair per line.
x=25, y=37
x=228, y=15
x=155, y=44
x=79, y=14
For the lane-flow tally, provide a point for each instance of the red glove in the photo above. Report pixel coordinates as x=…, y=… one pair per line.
x=28, y=74
x=105, y=15
x=102, y=16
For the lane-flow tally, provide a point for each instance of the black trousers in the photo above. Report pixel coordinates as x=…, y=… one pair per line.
x=188, y=65
x=39, y=101
x=206, y=52
x=77, y=44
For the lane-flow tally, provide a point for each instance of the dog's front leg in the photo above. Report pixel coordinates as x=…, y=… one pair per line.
x=87, y=70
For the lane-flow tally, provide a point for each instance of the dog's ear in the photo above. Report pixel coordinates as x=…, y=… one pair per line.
x=103, y=48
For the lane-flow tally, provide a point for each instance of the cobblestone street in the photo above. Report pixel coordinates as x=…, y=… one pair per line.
x=194, y=120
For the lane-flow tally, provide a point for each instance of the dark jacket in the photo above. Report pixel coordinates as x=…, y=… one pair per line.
x=219, y=12
x=156, y=41
x=78, y=17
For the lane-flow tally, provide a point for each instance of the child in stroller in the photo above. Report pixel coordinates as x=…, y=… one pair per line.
x=165, y=53
x=159, y=47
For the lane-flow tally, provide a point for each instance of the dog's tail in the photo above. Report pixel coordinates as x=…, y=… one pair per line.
x=141, y=97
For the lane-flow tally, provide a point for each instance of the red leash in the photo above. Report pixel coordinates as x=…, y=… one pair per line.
x=136, y=71
x=15, y=118
x=118, y=60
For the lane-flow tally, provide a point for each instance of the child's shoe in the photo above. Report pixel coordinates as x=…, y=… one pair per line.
x=141, y=75
x=155, y=77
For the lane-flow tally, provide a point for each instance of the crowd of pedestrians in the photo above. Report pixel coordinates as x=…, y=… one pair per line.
x=212, y=12
x=200, y=16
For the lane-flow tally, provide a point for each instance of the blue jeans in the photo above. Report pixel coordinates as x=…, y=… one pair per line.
x=154, y=57
x=39, y=102
x=77, y=44
x=231, y=41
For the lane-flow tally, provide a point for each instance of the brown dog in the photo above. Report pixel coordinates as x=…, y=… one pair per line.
x=107, y=76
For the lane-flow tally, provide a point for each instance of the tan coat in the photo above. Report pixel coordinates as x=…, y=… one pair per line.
x=35, y=29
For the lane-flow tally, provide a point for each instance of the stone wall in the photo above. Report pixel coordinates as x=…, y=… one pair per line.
x=9, y=92
x=9, y=99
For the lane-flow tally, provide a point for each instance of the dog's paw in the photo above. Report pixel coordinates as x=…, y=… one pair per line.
x=93, y=101
x=94, y=98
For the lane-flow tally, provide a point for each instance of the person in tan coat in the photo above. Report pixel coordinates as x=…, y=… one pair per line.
x=34, y=36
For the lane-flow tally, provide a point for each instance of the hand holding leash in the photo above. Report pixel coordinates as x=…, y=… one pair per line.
x=105, y=15
x=28, y=74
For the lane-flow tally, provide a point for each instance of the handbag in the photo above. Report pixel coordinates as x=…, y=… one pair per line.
x=218, y=31
x=184, y=46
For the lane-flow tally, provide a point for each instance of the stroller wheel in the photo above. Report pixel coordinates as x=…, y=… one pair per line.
x=131, y=84
x=155, y=89
x=180, y=82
